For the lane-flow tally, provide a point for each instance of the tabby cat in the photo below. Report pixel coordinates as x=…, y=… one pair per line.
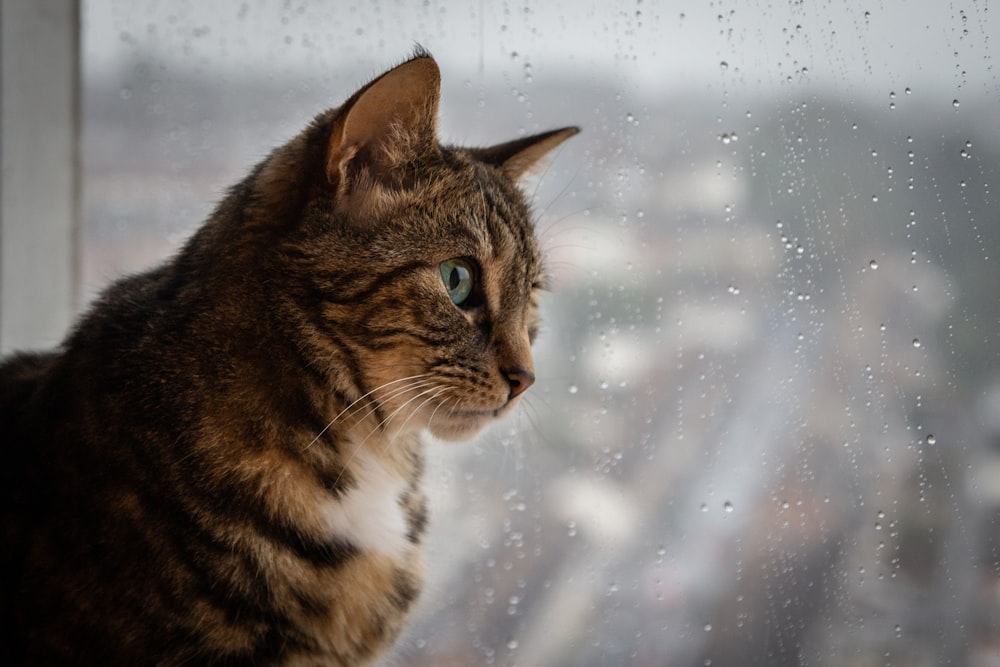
x=222, y=462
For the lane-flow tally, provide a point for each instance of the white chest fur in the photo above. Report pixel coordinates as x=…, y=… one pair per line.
x=370, y=515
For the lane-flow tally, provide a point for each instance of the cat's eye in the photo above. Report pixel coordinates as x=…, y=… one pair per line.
x=459, y=279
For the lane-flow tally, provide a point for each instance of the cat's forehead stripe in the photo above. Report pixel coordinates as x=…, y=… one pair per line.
x=508, y=228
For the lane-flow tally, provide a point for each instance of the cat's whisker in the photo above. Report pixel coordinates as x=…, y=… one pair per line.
x=385, y=421
x=439, y=405
x=374, y=404
x=576, y=245
x=439, y=392
x=352, y=404
x=530, y=412
x=545, y=173
x=376, y=401
x=400, y=408
x=578, y=232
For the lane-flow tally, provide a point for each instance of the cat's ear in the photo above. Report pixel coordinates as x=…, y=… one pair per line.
x=386, y=124
x=518, y=157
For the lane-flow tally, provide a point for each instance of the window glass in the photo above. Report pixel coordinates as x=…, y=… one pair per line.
x=766, y=428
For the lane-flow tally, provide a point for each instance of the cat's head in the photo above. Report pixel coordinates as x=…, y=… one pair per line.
x=413, y=268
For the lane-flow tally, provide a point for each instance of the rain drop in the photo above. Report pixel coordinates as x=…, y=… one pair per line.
x=727, y=506
x=930, y=439
x=954, y=103
x=916, y=342
x=873, y=265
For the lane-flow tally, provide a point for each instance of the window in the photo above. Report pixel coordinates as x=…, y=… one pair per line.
x=765, y=429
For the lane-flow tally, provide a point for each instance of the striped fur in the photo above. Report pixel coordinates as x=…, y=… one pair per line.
x=221, y=464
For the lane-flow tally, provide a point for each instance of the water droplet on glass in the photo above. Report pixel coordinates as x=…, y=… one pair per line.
x=573, y=389
x=916, y=342
x=930, y=439
x=727, y=506
x=708, y=627
x=723, y=65
x=954, y=103
x=873, y=265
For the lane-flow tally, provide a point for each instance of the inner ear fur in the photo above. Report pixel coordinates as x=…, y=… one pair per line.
x=386, y=124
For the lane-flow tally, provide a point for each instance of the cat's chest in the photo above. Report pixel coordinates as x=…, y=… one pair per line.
x=374, y=513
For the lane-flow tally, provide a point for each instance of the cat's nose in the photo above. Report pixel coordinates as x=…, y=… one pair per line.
x=519, y=379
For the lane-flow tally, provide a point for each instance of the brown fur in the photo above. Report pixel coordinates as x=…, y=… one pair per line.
x=222, y=463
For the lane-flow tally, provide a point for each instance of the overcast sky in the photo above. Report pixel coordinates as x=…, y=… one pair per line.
x=867, y=48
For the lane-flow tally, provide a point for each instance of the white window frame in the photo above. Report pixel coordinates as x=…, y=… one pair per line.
x=39, y=170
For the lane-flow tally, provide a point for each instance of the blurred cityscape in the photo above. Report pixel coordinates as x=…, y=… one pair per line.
x=767, y=424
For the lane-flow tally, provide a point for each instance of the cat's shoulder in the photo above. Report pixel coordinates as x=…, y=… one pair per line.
x=23, y=369
x=21, y=375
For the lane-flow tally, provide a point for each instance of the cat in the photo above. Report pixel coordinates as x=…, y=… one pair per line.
x=222, y=462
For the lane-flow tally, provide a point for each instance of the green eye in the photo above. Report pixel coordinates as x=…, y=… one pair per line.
x=457, y=275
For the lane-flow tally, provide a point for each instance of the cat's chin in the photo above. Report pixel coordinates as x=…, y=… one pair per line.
x=457, y=432
x=458, y=428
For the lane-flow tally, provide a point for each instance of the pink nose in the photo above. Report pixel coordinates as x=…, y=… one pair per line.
x=519, y=379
